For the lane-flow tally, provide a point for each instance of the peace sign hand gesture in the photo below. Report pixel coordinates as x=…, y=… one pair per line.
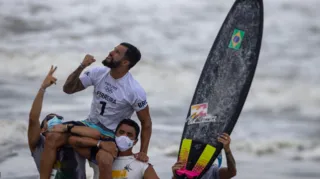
x=50, y=79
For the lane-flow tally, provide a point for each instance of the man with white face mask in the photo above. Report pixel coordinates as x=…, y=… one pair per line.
x=126, y=165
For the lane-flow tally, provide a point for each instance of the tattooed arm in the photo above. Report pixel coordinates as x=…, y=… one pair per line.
x=73, y=83
x=231, y=170
x=86, y=142
x=82, y=141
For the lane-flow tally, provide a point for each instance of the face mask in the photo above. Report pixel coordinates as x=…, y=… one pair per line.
x=54, y=121
x=124, y=143
x=111, y=63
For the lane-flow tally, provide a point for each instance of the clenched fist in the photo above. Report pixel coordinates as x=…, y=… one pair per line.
x=88, y=60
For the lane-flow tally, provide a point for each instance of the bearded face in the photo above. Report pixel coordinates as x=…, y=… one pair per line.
x=110, y=62
x=115, y=57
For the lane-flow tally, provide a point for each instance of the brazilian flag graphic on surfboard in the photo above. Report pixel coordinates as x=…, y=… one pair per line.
x=236, y=39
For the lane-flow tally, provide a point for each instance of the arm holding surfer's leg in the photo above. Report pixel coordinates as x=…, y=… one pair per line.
x=73, y=83
x=231, y=170
x=82, y=131
x=86, y=142
x=86, y=137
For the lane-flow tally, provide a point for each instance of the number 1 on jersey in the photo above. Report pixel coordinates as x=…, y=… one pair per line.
x=102, y=107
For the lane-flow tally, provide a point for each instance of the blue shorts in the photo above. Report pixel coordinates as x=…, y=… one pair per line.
x=105, y=132
x=106, y=135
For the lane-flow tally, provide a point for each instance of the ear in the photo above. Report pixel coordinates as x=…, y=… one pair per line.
x=125, y=62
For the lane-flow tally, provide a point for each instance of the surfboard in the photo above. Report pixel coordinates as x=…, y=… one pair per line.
x=223, y=87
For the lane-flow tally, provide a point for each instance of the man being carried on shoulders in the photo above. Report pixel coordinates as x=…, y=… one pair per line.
x=116, y=96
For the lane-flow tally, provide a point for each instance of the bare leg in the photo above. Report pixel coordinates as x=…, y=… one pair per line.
x=105, y=161
x=84, y=152
x=48, y=157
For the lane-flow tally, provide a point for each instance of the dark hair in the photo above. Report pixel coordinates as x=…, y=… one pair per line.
x=42, y=123
x=131, y=123
x=132, y=53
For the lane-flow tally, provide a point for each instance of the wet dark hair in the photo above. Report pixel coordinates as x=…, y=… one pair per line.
x=48, y=117
x=132, y=53
x=131, y=123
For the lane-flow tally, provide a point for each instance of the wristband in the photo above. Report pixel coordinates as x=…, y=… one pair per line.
x=82, y=66
x=42, y=89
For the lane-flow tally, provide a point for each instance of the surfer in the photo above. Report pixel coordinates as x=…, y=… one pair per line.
x=125, y=165
x=116, y=96
x=214, y=171
x=69, y=164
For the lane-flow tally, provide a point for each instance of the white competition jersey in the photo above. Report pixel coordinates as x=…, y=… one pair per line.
x=113, y=99
x=127, y=167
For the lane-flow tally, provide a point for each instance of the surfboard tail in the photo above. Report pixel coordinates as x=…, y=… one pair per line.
x=201, y=158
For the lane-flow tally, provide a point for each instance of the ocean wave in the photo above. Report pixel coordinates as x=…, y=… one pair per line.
x=290, y=150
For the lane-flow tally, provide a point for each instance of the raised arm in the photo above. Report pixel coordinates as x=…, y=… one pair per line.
x=73, y=83
x=34, y=115
x=231, y=170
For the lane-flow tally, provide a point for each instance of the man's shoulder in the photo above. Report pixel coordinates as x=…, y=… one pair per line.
x=138, y=163
x=96, y=70
x=141, y=163
x=134, y=84
x=143, y=166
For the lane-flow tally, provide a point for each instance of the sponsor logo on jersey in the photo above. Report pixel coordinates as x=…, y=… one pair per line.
x=128, y=168
x=142, y=104
x=119, y=174
x=110, y=88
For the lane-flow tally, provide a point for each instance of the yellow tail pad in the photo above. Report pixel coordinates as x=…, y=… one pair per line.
x=204, y=159
x=185, y=150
